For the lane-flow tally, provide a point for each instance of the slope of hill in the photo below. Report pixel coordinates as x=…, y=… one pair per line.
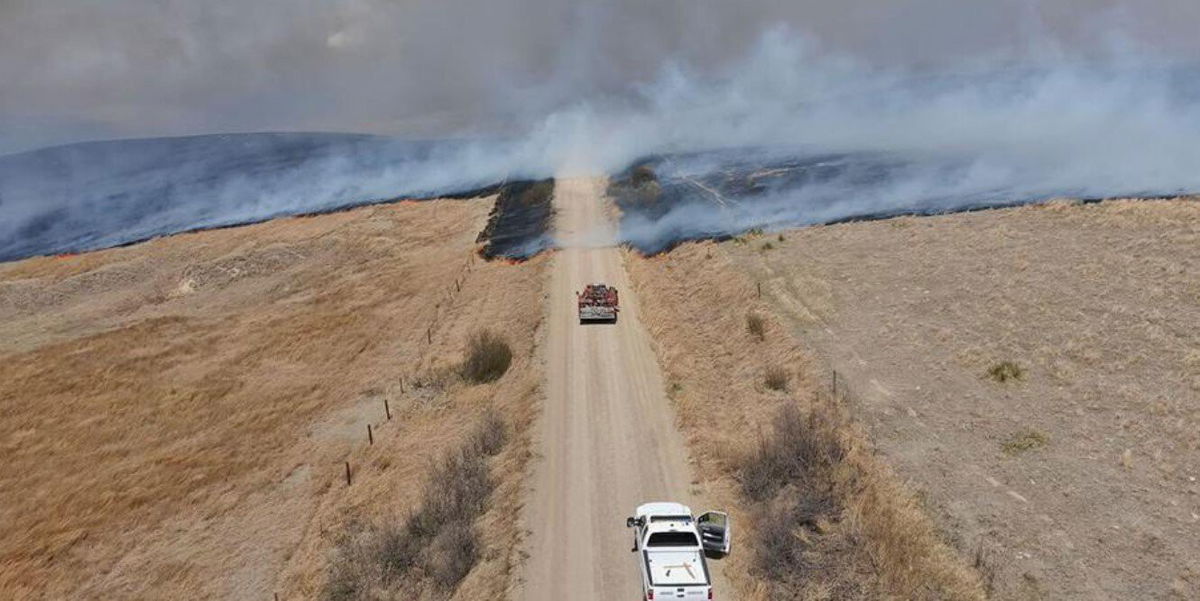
x=177, y=414
x=1033, y=371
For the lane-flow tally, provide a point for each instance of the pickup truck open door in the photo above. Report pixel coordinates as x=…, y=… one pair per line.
x=716, y=533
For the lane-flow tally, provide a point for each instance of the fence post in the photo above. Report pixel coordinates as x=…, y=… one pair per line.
x=759, y=284
x=370, y=436
x=835, y=384
x=347, y=473
x=388, y=410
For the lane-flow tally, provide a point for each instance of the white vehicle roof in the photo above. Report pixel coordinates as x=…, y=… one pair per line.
x=663, y=508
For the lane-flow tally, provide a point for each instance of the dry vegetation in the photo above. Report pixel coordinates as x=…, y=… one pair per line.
x=776, y=378
x=1025, y=440
x=1033, y=372
x=488, y=357
x=428, y=554
x=1005, y=371
x=756, y=325
x=821, y=517
x=176, y=415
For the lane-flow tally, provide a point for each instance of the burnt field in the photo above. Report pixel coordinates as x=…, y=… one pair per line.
x=519, y=224
x=669, y=199
x=97, y=195
x=103, y=194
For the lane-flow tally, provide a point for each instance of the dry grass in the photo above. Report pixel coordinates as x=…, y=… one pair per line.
x=756, y=325
x=802, y=452
x=793, y=481
x=1098, y=302
x=428, y=554
x=832, y=522
x=776, y=378
x=488, y=357
x=179, y=411
x=1024, y=440
x=1005, y=371
x=822, y=517
x=491, y=435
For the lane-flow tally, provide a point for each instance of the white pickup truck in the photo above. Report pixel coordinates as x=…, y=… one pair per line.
x=672, y=547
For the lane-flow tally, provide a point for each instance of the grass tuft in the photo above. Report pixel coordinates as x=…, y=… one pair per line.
x=756, y=325
x=1025, y=440
x=1005, y=371
x=491, y=436
x=776, y=378
x=488, y=357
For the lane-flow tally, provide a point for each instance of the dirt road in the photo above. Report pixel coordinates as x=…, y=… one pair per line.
x=607, y=437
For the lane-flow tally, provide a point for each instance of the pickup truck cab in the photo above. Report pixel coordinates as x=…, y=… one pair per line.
x=672, y=548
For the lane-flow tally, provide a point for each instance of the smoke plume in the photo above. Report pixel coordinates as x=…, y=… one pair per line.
x=918, y=105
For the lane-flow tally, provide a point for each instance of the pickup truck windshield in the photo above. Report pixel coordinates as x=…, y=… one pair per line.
x=672, y=539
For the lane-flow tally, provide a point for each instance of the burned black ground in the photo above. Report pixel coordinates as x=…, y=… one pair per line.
x=669, y=199
x=112, y=193
x=519, y=224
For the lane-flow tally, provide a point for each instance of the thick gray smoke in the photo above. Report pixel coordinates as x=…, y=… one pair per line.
x=904, y=140
x=100, y=194
x=85, y=69
x=983, y=100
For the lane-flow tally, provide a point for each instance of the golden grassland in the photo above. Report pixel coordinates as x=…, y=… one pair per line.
x=176, y=415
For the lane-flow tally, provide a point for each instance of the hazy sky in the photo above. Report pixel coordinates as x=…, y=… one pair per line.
x=85, y=69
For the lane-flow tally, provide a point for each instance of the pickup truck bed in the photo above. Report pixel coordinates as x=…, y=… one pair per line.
x=676, y=568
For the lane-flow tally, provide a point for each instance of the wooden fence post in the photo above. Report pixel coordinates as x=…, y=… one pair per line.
x=370, y=436
x=388, y=410
x=347, y=473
